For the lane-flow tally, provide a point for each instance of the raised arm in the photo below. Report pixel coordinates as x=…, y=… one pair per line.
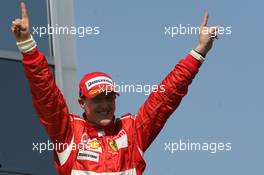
x=47, y=98
x=161, y=104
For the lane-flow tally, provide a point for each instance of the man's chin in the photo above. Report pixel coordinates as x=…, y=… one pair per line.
x=105, y=122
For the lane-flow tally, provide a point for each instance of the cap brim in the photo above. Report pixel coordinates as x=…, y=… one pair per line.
x=106, y=89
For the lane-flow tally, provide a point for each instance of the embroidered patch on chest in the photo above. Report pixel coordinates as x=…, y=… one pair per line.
x=117, y=142
x=88, y=144
x=88, y=155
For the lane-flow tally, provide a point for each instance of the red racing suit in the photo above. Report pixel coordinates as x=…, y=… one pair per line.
x=116, y=149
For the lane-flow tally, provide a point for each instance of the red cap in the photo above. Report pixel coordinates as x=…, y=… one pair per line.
x=95, y=83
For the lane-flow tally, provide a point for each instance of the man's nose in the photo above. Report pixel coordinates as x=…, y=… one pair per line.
x=104, y=104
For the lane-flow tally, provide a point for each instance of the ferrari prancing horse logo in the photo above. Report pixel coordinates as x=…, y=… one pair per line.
x=113, y=145
x=117, y=142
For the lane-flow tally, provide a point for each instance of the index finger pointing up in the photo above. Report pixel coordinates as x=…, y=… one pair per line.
x=205, y=20
x=24, y=10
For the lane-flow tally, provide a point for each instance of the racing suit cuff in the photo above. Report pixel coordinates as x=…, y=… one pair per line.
x=27, y=46
x=197, y=56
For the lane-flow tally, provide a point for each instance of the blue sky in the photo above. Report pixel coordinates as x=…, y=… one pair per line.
x=225, y=101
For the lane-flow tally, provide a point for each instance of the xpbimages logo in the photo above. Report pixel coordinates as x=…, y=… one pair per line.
x=188, y=145
x=80, y=31
x=177, y=30
x=145, y=89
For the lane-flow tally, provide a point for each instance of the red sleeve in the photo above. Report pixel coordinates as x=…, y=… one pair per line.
x=161, y=104
x=46, y=96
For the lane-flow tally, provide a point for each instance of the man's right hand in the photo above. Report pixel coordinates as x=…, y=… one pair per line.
x=206, y=37
x=20, y=27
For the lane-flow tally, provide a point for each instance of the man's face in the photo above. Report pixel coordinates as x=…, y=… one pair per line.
x=100, y=109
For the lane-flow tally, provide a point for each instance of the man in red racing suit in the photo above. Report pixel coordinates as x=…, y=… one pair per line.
x=92, y=146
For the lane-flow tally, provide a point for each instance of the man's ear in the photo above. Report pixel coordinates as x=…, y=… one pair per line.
x=81, y=102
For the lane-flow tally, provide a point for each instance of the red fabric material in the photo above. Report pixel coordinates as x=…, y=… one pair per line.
x=119, y=149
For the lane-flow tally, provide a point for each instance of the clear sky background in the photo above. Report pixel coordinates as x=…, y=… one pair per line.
x=225, y=101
